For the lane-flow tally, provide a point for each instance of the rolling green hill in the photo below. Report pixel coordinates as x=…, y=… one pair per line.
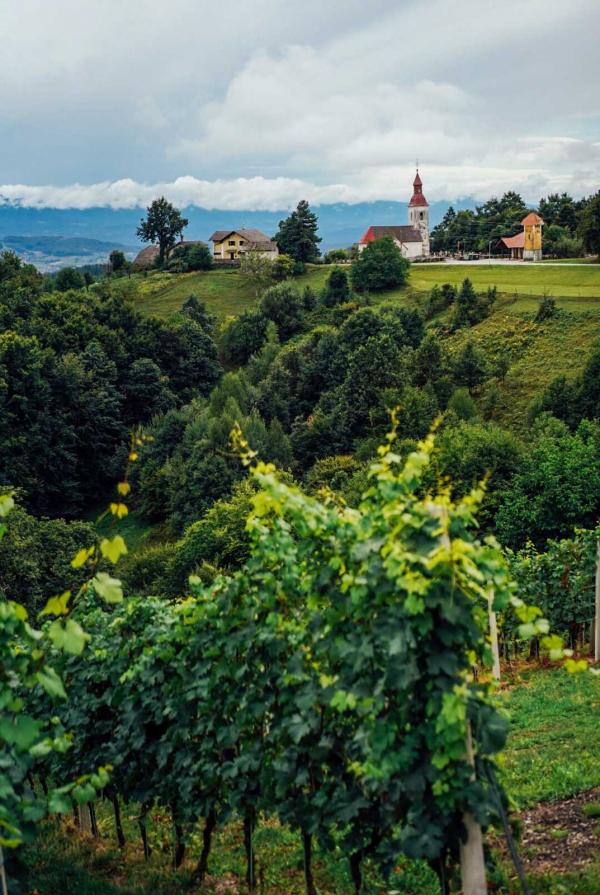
x=225, y=292
x=538, y=352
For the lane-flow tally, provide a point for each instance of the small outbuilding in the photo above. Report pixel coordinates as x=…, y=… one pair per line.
x=527, y=245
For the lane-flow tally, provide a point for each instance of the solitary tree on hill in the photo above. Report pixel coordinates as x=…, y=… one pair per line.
x=379, y=266
x=117, y=260
x=163, y=224
x=297, y=234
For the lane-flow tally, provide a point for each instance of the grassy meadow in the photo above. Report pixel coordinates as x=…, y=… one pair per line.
x=226, y=293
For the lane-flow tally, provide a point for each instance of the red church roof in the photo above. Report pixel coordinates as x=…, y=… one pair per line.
x=402, y=234
x=417, y=197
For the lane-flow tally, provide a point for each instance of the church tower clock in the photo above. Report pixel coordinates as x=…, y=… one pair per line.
x=418, y=212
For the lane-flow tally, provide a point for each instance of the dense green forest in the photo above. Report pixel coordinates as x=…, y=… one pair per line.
x=569, y=229
x=265, y=670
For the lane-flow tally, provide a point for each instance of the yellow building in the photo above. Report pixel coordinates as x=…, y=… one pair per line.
x=532, y=225
x=230, y=245
x=526, y=245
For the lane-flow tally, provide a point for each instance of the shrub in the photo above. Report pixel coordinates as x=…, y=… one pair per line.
x=546, y=309
x=283, y=305
x=379, y=266
x=282, y=268
x=337, y=290
x=190, y=256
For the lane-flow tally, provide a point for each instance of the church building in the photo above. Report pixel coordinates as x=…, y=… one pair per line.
x=412, y=239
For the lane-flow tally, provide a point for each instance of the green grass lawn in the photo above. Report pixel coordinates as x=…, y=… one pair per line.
x=560, y=281
x=552, y=753
x=553, y=750
x=225, y=292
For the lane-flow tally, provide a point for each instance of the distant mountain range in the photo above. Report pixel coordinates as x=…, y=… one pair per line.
x=50, y=253
x=51, y=237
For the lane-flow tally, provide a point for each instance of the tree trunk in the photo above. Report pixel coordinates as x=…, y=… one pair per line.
x=179, y=855
x=251, y=870
x=118, y=824
x=311, y=889
x=472, y=862
x=441, y=871
x=144, y=831
x=202, y=866
x=597, y=619
x=93, y=820
x=355, y=871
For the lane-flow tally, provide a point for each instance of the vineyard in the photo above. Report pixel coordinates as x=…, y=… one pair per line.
x=340, y=682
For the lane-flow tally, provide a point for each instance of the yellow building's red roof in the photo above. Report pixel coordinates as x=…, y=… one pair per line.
x=532, y=218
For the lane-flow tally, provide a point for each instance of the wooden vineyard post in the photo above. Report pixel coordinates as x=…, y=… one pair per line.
x=597, y=612
x=3, y=881
x=472, y=861
x=494, y=638
x=85, y=819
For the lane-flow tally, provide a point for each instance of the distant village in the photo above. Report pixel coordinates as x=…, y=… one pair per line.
x=412, y=239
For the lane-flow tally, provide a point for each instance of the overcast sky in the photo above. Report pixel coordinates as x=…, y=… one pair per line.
x=257, y=103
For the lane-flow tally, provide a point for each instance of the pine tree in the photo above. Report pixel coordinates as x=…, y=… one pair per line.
x=297, y=234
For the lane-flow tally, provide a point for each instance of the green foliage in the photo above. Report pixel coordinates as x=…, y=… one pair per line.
x=547, y=309
x=282, y=268
x=379, y=266
x=557, y=487
x=337, y=290
x=117, y=261
x=471, y=366
x=334, y=256
x=462, y=404
x=589, y=225
x=243, y=336
x=35, y=558
x=469, y=452
x=468, y=230
x=561, y=581
x=76, y=373
x=190, y=256
x=471, y=308
x=256, y=268
x=284, y=306
x=297, y=234
x=328, y=681
x=28, y=736
x=439, y=299
x=163, y=224
x=69, y=278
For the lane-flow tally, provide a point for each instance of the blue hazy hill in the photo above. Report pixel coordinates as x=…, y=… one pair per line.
x=339, y=224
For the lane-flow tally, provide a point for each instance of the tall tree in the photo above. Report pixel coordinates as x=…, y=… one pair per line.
x=163, y=224
x=297, y=234
x=589, y=225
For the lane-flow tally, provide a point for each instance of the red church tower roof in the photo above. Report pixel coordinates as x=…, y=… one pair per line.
x=417, y=197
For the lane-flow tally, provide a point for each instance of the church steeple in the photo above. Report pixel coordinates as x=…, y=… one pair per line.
x=417, y=197
x=418, y=212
